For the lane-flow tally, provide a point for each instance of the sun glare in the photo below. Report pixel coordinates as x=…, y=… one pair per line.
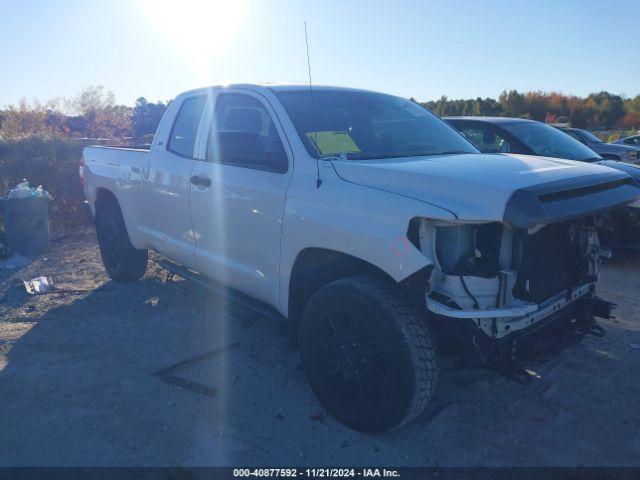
x=201, y=29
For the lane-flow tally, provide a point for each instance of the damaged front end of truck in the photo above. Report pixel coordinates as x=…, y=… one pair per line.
x=511, y=290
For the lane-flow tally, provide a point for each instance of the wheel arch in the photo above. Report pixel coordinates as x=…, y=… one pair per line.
x=105, y=198
x=315, y=267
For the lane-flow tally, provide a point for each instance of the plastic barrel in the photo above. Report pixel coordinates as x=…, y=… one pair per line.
x=26, y=222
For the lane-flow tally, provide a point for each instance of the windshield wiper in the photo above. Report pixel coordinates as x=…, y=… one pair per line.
x=449, y=152
x=356, y=156
x=352, y=156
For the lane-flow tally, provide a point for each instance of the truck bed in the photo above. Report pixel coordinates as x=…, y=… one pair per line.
x=123, y=156
x=118, y=170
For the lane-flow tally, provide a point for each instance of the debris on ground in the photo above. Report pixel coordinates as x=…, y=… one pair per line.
x=39, y=285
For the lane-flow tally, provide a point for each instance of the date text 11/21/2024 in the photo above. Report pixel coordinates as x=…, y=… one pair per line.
x=317, y=472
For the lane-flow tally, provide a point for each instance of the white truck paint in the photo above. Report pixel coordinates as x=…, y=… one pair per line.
x=246, y=226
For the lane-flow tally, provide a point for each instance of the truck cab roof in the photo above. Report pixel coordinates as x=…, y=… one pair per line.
x=275, y=87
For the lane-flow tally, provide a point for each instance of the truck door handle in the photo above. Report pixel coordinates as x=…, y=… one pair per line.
x=201, y=181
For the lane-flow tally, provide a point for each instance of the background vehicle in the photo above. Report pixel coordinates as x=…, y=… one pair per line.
x=370, y=225
x=633, y=141
x=528, y=137
x=613, y=151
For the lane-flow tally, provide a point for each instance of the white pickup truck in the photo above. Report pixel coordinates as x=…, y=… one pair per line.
x=370, y=225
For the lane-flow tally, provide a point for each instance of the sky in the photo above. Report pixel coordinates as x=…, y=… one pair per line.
x=421, y=49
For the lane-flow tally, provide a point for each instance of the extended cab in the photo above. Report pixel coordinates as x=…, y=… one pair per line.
x=370, y=225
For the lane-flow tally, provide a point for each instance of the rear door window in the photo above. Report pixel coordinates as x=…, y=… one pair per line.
x=185, y=128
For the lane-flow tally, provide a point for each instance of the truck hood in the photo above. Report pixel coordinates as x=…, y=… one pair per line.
x=521, y=190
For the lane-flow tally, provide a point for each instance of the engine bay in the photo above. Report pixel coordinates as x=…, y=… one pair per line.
x=494, y=266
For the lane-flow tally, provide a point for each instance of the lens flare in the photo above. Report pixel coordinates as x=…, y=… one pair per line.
x=200, y=29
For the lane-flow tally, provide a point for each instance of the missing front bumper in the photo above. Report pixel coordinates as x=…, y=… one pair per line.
x=561, y=329
x=500, y=322
x=551, y=334
x=567, y=323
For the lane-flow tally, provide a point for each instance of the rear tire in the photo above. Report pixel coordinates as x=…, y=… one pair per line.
x=369, y=358
x=121, y=260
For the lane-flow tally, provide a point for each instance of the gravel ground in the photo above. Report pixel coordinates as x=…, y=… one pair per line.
x=150, y=374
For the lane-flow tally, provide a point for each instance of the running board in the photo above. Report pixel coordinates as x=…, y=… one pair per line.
x=238, y=298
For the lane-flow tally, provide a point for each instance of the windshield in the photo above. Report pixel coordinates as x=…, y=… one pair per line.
x=550, y=142
x=590, y=136
x=366, y=125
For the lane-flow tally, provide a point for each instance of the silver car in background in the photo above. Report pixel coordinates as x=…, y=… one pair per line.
x=611, y=151
x=633, y=141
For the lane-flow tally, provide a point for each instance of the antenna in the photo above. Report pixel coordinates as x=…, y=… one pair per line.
x=313, y=109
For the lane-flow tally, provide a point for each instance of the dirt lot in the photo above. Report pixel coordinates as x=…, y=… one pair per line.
x=153, y=374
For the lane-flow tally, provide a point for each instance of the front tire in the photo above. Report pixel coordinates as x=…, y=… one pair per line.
x=369, y=358
x=121, y=260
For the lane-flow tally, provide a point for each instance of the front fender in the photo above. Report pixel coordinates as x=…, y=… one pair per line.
x=360, y=221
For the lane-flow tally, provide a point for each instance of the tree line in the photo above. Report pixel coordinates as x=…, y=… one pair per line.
x=597, y=111
x=92, y=114
x=95, y=114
